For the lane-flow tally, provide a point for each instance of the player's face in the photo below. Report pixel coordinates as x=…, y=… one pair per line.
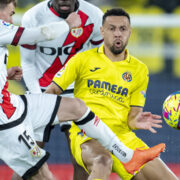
x=116, y=32
x=7, y=13
x=64, y=6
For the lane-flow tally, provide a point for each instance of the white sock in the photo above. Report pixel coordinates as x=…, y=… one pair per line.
x=95, y=128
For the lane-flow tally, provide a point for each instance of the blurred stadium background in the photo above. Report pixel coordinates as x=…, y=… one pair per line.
x=156, y=41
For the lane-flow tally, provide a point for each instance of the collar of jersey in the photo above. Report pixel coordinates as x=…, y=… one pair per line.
x=101, y=50
x=58, y=14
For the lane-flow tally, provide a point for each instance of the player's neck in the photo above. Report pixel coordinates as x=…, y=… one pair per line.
x=113, y=57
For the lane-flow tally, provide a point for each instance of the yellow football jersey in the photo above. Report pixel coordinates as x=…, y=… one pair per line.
x=108, y=88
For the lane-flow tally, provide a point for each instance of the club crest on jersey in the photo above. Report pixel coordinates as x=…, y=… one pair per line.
x=35, y=152
x=127, y=77
x=77, y=32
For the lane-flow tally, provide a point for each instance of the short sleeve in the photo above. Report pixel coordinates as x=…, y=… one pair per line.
x=68, y=73
x=138, y=96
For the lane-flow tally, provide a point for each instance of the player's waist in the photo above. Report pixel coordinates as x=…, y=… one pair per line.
x=16, y=117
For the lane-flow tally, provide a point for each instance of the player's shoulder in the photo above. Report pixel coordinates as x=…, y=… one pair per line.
x=6, y=27
x=35, y=12
x=86, y=57
x=138, y=63
x=91, y=10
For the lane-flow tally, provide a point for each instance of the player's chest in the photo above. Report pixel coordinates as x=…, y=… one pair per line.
x=98, y=75
x=67, y=45
x=75, y=37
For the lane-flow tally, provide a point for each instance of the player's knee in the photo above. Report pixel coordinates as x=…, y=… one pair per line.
x=15, y=177
x=103, y=162
x=43, y=173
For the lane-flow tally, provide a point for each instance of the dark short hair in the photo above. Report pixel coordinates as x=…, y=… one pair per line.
x=4, y=3
x=115, y=12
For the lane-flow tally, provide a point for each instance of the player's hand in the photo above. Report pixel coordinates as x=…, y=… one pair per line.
x=15, y=73
x=148, y=121
x=73, y=20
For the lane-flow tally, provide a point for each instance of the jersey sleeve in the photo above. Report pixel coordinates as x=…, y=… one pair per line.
x=15, y=35
x=69, y=73
x=9, y=33
x=28, y=59
x=138, y=96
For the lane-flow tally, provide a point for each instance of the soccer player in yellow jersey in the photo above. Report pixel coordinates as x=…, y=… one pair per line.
x=113, y=84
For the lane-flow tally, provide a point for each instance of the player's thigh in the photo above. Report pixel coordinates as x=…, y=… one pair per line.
x=41, y=112
x=71, y=109
x=16, y=176
x=43, y=174
x=93, y=154
x=155, y=170
x=79, y=143
x=79, y=172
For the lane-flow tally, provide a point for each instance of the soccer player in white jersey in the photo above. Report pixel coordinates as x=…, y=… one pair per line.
x=29, y=118
x=41, y=61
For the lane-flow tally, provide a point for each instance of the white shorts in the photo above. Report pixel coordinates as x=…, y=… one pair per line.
x=17, y=139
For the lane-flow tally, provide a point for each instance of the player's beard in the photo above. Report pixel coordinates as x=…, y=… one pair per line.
x=118, y=50
x=63, y=15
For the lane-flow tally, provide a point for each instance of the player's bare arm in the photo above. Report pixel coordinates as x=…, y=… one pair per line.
x=15, y=73
x=53, y=89
x=73, y=20
x=138, y=119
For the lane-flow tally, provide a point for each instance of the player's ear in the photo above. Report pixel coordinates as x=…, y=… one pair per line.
x=102, y=31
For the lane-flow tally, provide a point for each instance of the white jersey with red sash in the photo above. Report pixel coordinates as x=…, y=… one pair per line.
x=11, y=107
x=9, y=34
x=43, y=60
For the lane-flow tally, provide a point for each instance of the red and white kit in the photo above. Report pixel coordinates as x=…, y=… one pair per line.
x=41, y=61
x=23, y=119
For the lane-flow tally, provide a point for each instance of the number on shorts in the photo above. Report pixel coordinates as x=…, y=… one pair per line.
x=28, y=141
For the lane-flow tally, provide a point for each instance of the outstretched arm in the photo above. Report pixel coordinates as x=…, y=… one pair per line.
x=50, y=31
x=15, y=35
x=137, y=119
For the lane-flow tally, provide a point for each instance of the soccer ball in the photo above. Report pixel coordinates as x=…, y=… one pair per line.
x=171, y=110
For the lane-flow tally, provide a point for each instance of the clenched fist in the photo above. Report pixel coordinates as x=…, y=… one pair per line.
x=73, y=20
x=15, y=73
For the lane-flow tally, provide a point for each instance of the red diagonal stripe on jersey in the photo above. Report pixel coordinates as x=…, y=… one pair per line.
x=87, y=30
x=17, y=36
x=96, y=121
x=6, y=104
x=49, y=74
x=51, y=8
x=78, y=45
